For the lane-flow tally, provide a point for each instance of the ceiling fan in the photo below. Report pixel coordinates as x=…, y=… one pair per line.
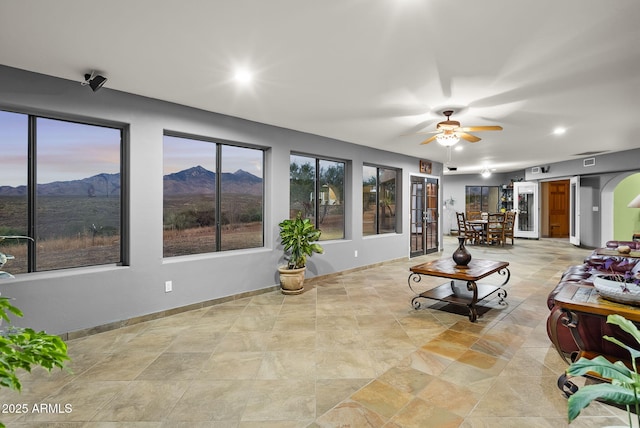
x=449, y=131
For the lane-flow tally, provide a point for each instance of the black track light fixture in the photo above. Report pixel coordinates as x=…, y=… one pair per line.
x=95, y=81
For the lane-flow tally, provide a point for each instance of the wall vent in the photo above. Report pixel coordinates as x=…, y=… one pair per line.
x=535, y=170
x=589, y=162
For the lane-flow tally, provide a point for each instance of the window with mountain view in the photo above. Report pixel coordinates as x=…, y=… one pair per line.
x=74, y=216
x=379, y=200
x=203, y=214
x=317, y=192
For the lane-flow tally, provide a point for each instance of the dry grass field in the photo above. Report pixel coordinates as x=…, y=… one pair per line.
x=203, y=239
x=68, y=239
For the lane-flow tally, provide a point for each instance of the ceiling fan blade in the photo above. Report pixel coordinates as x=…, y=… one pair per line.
x=470, y=138
x=428, y=140
x=481, y=128
x=422, y=132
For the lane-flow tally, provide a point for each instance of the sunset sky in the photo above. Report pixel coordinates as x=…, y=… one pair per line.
x=72, y=151
x=182, y=153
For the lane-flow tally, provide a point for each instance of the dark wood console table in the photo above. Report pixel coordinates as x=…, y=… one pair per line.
x=586, y=299
x=614, y=252
x=581, y=303
x=467, y=290
x=576, y=300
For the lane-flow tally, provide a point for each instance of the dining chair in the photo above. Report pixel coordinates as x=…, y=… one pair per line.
x=478, y=223
x=509, y=222
x=495, y=228
x=474, y=215
x=471, y=234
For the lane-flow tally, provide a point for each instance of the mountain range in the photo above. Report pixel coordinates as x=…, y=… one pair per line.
x=194, y=180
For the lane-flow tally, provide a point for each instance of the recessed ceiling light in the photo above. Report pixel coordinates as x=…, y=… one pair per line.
x=458, y=148
x=559, y=130
x=242, y=75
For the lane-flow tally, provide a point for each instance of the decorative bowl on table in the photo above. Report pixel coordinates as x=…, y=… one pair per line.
x=617, y=291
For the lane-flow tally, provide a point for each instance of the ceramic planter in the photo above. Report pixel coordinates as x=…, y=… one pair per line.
x=291, y=280
x=621, y=292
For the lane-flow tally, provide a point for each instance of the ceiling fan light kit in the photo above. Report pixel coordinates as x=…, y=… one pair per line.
x=449, y=132
x=447, y=139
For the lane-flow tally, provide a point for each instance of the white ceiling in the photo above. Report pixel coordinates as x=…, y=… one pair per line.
x=364, y=71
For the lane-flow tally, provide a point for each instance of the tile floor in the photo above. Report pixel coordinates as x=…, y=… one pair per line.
x=349, y=352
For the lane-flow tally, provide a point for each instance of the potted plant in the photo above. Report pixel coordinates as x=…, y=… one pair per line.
x=298, y=237
x=620, y=281
x=624, y=389
x=24, y=348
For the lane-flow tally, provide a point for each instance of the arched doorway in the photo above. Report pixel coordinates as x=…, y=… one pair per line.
x=617, y=221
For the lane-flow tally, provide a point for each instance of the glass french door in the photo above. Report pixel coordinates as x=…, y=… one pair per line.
x=526, y=196
x=424, y=216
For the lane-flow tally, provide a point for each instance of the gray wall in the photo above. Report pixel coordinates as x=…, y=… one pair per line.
x=590, y=205
x=596, y=210
x=75, y=299
x=628, y=160
x=453, y=186
x=596, y=186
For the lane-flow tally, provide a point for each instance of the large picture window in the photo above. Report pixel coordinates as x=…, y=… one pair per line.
x=60, y=185
x=203, y=213
x=482, y=199
x=379, y=200
x=317, y=192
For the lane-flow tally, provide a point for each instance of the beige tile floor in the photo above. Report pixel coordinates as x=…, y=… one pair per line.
x=349, y=352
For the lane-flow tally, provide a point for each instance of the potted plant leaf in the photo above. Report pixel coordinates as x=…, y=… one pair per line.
x=624, y=386
x=298, y=237
x=21, y=349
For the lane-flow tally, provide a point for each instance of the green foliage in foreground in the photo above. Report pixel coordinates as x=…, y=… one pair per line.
x=24, y=348
x=624, y=388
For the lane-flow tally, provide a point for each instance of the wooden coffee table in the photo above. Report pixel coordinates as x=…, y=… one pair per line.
x=463, y=287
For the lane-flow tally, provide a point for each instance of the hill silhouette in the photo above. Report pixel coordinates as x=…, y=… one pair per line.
x=194, y=180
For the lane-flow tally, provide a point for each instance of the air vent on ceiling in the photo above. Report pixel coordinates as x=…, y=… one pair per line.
x=589, y=162
x=535, y=170
x=452, y=168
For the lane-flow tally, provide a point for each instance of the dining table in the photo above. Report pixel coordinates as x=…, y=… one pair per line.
x=481, y=224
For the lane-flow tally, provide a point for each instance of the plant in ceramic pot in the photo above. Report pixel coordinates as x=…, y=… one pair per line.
x=21, y=349
x=298, y=237
x=620, y=280
x=624, y=386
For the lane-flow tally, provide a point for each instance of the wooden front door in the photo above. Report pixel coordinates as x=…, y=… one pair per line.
x=559, y=209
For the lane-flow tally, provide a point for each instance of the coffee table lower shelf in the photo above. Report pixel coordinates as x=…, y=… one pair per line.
x=461, y=293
